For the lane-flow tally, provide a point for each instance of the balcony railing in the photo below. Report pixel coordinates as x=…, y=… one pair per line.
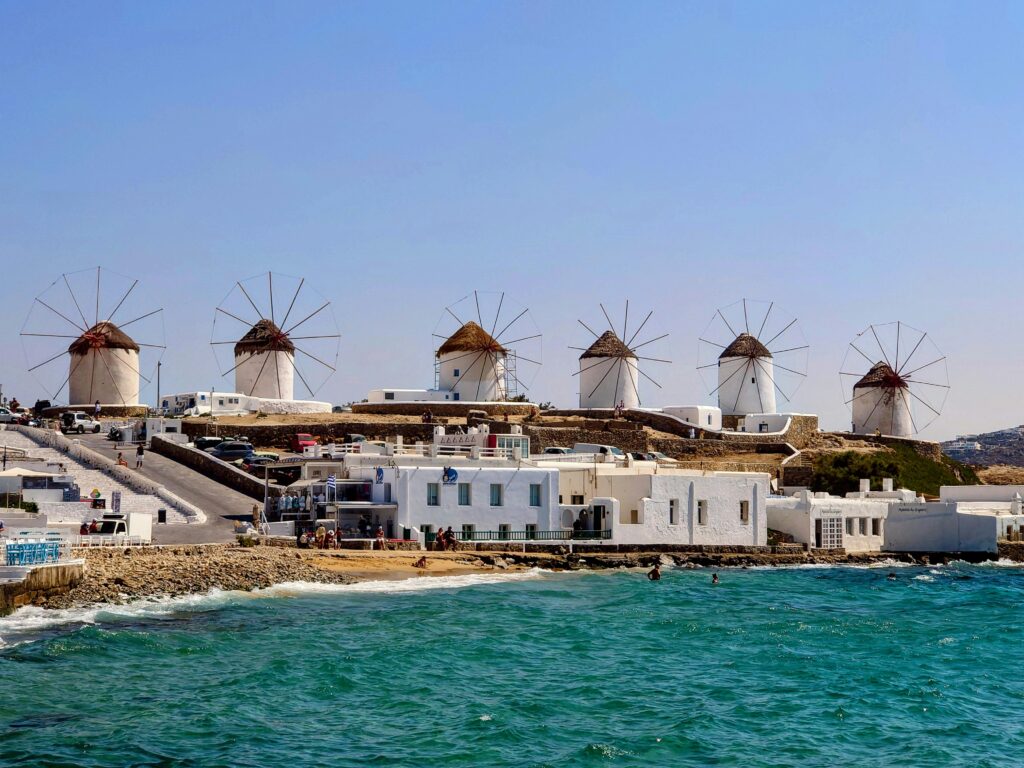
x=526, y=536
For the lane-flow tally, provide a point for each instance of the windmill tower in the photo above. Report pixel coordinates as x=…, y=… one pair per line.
x=266, y=357
x=103, y=362
x=482, y=360
x=752, y=366
x=609, y=369
x=104, y=365
x=472, y=365
x=265, y=362
x=897, y=397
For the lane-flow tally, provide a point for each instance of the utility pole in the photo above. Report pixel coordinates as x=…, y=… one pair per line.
x=158, y=406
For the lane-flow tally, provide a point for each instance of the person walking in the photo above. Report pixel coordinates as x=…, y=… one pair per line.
x=140, y=454
x=96, y=410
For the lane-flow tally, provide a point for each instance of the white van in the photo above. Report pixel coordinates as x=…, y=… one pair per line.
x=604, y=450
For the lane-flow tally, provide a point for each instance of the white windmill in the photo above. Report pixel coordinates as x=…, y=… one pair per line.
x=758, y=352
x=273, y=349
x=491, y=358
x=895, y=380
x=103, y=362
x=610, y=369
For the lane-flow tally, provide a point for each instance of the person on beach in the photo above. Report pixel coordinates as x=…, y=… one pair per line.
x=421, y=563
x=449, y=539
x=140, y=454
x=84, y=530
x=381, y=543
x=655, y=573
x=439, y=543
x=120, y=460
x=714, y=578
x=329, y=540
x=303, y=540
x=321, y=536
x=94, y=526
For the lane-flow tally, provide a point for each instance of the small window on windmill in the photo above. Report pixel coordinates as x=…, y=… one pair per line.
x=455, y=372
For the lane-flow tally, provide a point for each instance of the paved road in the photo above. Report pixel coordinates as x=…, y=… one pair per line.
x=220, y=503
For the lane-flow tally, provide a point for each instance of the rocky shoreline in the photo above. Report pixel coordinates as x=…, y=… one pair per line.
x=117, y=576
x=122, y=575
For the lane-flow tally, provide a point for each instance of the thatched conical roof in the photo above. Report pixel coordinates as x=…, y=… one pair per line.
x=608, y=345
x=471, y=338
x=881, y=375
x=264, y=336
x=103, y=335
x=745, y=345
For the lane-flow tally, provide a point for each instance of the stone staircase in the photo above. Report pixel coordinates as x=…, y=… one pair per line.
x=87, y=479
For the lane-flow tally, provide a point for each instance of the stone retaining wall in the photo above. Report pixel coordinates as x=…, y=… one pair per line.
x=278, y=435
x=41, y=583
x=445, y=408
x=214, y=468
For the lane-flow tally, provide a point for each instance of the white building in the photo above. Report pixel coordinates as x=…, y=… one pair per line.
x=856, y=522
x=705, y=416
x=481, y=499
x=746, y=377
x=644, y=503
x=966, y=519
x=881, y=403
x=200, y=403
x=104, y=367
x=265, y=363
x=608, y=374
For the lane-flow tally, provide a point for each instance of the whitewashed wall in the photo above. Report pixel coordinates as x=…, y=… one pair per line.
x=650, y=494
x=607, y=381
x=938, y=527
x=274, y=380
x=745, y=388
x=108, y=375
x=481, y=378
x=409, y=492
x=705, y=416
x=874, y=409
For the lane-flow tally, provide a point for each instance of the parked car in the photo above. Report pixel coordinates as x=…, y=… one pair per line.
x=597, y=448
x=253, y=462
x=555, y=450
x=78, y=421
x=230, y=450
x=7, y=416
x=659, y=456
x=208, y=442
x=300, y=441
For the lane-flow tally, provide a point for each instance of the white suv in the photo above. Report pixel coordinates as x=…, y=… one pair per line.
x=78, y=421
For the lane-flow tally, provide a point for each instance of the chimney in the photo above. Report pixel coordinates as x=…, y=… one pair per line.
x=865, y=486
x=887, y=484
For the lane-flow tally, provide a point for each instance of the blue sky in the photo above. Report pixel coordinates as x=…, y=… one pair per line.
x=856, y=163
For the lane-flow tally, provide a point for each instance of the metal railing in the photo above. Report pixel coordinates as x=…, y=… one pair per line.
x=526, y=536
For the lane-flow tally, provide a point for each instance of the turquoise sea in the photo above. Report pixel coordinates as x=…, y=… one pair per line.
x=788, y=667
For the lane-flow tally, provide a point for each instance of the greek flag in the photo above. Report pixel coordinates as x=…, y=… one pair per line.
x=332, y=486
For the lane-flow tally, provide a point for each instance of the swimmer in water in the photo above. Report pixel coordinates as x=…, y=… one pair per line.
x=891, y=577
x=655, y=573
x=714, y=578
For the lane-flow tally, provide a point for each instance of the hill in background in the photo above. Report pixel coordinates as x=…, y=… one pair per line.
x=1004, y=447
